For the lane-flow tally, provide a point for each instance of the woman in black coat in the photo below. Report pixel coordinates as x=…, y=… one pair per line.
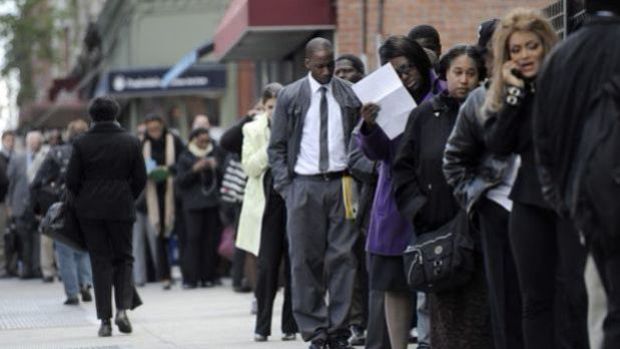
x=549, y=259
x=459, y=317
x=106, y=173
x=199, y=176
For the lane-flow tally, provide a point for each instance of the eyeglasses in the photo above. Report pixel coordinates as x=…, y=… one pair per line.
x=404, y=69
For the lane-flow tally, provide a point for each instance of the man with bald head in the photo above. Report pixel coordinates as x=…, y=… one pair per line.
x=312, y=124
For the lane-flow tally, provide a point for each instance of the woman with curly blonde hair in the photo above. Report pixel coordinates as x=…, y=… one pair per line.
x=549, y=258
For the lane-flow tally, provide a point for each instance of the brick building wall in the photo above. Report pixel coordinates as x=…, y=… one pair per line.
x=456, y=20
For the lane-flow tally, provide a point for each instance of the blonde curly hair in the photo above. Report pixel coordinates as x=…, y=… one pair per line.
x=518, y=19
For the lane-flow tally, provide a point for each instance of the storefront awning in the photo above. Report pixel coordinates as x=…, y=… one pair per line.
x=270, y=29
x=52, y=115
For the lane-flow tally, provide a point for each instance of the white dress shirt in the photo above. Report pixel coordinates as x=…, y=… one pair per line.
x=309, y=154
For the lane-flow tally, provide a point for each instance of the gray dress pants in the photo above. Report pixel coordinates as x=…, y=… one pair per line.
x=322, y=261
x=144, y=236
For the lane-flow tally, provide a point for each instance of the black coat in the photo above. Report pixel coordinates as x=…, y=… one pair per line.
x=49, y=183
x=106, y=173
x=417, y=169
x=510, y=131
x=4, y=179
x=573, y=77
x=232, y=139
x=199, y=190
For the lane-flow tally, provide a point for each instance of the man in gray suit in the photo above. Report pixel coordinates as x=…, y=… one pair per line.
x=312, y=126
x=21, y=172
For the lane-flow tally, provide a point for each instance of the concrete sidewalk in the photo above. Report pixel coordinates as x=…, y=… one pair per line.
x=32, y=316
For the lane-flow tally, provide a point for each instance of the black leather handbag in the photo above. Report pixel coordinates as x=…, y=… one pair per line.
x=61, y=224
x=441, y=260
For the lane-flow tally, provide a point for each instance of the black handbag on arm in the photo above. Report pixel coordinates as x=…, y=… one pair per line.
x=61, y=224
x=441, y=260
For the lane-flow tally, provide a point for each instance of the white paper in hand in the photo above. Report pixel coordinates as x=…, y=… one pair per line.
x=384, y=88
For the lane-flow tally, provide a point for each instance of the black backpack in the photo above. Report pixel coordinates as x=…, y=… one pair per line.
x=597, y=186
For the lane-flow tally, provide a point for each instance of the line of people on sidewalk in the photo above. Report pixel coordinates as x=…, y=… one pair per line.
x=468, y=149
x=324, y=202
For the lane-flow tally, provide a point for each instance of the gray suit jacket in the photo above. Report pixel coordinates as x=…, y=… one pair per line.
x=18, y=195
x=288, y=122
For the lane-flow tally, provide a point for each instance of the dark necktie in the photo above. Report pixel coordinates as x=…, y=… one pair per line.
x=323, y=141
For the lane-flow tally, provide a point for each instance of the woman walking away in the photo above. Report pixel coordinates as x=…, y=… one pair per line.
x=459, y=317
x=389, y=232
x=550, y=260
x=198, y=178
x=105, y=175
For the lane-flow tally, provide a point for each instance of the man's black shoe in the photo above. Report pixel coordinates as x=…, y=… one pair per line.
x=105, y=330
x=86, y=296
x=48, y=279
x=319, y=344
x=122, y=321
x=72, y=301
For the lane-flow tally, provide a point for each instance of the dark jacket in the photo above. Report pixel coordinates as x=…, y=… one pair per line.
x=364, y=171
x=232, y=139
x=420, y=189
x=510, y=131
x=468, y=165
x=578, y=71
x=4, y=179
x=200, y=190
x=389, y=231
x=288, y=122
x=106, y=173
x=49, y=183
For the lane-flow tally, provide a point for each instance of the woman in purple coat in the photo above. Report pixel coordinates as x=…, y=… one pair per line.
x=389, y=233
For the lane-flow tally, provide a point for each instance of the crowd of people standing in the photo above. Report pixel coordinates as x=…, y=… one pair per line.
x=323, y=202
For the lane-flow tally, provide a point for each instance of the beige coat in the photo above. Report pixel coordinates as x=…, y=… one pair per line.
x=255, y=163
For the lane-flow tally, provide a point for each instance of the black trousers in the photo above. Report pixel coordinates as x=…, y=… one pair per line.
x=28, y=245
x=550, y=264
x=359, y=307
x=109, y=245
x=273, y=249
x=203, y=232
x=606, y=256
x=377, y=336
x=501, y=275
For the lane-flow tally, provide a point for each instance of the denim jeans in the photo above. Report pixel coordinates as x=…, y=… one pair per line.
x=74, y=269
x=424, y=320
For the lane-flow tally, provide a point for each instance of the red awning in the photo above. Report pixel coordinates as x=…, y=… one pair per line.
x=52, y=115
x=270, y=29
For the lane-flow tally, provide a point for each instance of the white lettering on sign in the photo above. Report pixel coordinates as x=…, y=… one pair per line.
x=121, y=83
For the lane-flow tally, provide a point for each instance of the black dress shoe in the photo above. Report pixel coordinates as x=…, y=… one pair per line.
x=260, y=338
x=48, y=279
x=72, y=301
x=86, y=296
x=122, y=321
x=105, y=330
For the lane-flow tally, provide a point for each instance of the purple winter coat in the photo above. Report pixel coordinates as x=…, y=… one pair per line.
x=389, y=233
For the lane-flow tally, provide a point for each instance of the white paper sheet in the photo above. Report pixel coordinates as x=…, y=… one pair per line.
x=384, y=88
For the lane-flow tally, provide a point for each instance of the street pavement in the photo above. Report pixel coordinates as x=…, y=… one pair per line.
x=32, y=316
